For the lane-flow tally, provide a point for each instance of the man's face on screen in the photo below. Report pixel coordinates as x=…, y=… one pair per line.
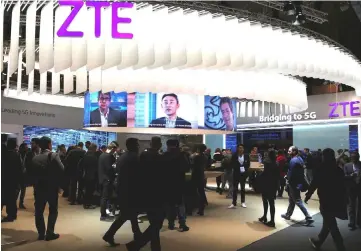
x=227, y=115
x=104, y=101
x=170, y=105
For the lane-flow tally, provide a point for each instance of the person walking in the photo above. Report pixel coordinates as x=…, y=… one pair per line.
x=48, y=171
x=241, y=164
x=128, y=192
x=352, y=172
x=328, y=180
x=151, y=173
x=269, y=186
x=296, y=183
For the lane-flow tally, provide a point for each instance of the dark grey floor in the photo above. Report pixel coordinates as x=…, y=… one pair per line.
x=295, y=238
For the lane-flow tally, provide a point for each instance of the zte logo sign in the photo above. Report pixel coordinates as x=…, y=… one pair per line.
x=78, y=4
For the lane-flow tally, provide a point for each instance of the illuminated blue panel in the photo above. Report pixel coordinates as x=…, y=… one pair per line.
x=68, y=137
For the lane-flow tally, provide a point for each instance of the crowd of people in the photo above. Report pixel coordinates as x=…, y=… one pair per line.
x=126, y=184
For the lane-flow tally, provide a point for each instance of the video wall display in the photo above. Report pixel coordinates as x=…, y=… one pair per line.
x=105, y=109
x=159, y=110
x=68, y=137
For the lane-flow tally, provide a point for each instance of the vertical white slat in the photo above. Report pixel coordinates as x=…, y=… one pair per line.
x=129, y=55
x=43, y=82
x=30, y=37
x=31, y=82
x=161, y=44
x=20, y=71
x=14, y=42
x=79, y=44
x=95, y=80
x=81, y=80
x=55, y=83
x=177, y=44
x=145, y=38
x=46, y=41
x=1, y=35
x=68, y=81
x=62, y=45
x=113, y=47
x=95, y=46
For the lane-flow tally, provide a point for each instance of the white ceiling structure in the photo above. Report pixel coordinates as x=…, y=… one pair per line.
x=175, y=50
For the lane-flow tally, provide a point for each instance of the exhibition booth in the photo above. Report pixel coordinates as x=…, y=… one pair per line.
x=331, y=120
x=169, y=74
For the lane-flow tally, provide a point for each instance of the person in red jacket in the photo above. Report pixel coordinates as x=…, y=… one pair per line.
x=281, y=162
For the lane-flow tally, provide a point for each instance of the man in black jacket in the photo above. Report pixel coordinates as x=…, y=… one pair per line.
x=72, y=161
x=151, y=174
x=10, y=180
x=106, y=175
x=89, y=165
x=176, y=165
x=127, y=191
x=48, y=171
x=240, y=164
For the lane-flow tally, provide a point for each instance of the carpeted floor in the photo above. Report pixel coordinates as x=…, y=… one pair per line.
x=295, y=238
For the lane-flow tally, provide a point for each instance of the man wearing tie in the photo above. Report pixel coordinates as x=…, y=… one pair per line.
x=353, y=177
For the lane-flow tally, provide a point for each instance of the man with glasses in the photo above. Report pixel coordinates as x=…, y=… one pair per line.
x=106, y=116
x=170, y=105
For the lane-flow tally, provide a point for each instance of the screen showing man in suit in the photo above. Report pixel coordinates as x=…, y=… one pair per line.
x=105, y=109
x=219, y=113
x=170, y=105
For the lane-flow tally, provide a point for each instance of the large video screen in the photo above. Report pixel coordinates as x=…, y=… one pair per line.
x=219, y=113
x=105, y=109
x=68, y=137
x=159, y=110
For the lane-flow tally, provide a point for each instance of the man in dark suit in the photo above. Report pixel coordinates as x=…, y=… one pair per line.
x=240, y=163
x=48, y=171
x=72, y=161
x=106, y=116
x=89, y=167
x=353, y=180
x=170, y=105
x=106, y=175
x=127, y=191
x=10, y=179
x=151, y=174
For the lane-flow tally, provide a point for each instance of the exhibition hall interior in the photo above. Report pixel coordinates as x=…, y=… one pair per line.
x=180, y=125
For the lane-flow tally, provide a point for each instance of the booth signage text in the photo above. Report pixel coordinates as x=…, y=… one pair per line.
x=288, y=117
x=78, y=4
x=348, y=109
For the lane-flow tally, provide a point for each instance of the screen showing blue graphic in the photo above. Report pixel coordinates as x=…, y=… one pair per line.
x=219, y=113
x=231, y=142
x=68, y=137
x=105, y=109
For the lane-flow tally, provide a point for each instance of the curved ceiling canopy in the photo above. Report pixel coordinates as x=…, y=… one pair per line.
x=182, y=51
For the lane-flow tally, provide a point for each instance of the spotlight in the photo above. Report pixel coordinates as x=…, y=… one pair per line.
x=300, y=18
x=344, y=6
x=289, y=8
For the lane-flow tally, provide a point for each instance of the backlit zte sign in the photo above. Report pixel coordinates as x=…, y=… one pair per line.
x=352, y=109
x=78, y=4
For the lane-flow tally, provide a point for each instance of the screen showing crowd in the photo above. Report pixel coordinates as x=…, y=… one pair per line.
x=158, y=110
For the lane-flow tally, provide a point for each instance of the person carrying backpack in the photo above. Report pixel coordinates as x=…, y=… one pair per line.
x=48, y=174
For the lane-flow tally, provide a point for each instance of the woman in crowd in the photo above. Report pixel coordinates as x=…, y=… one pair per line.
x=282, y=167
x=329, y=183
x=269, y=186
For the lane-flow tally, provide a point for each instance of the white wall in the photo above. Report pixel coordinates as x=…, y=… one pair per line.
x=321, y=136
x=14, y=131
x=20, y=112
